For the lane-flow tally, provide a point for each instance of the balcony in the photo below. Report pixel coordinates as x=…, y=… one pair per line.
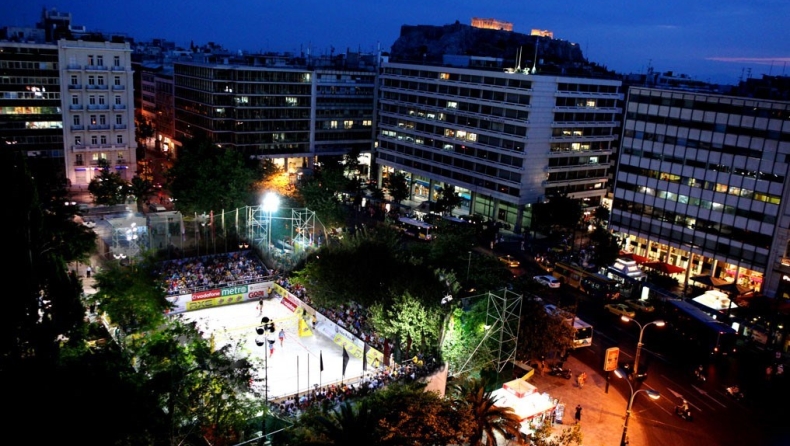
x=98, y=107
x=118, y=87
x=99, y=127
x=75, y=107
x=95, y=68
x=73, y=67
x=118, y=68
x=119, y=107
x=75, y=86
x=119, y=127
x=77, y=127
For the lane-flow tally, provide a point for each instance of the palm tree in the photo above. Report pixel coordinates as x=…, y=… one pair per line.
x=488, y=418
x=142, y=190
x=348, y=424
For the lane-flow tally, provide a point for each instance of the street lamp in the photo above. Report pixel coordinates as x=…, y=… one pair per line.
x=468, y=265
x=270, y=204
x=658, y=323
x=263, y=330
x=653, y=394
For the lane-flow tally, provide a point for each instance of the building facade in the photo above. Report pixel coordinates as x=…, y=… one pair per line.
x=503, y=140
x=31, y=118
x=288, y=110
x=702, y=183
x=98, y=112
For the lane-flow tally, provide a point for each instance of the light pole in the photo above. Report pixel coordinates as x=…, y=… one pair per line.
x=657, y=323
x=263, y=330
x=270, y=204
x=653, y=394
x=468, y=265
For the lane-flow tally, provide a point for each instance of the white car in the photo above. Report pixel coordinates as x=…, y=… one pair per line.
x=549, y=281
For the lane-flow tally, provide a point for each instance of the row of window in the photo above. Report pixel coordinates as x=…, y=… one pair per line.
x=102, y=120
x=458, y=91
x=763, y=215
x=716, y=167
x=97, y=60
x=95, y=80
x=705, y=185
x=30, y=110
x=94, y=99
x=98, y=139
x=714, y=104
x=32, y=80
x=509, y=82
x=602, y=118
x=705, y=129
x=27, y=65
x=182, y=72
x=580, y=146
x=51, y=95
x=724, y=248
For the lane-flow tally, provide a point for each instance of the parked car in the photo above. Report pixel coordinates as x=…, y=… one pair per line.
x=549, y=281
x=509, y=261
x=640, y=305
x=620, y=310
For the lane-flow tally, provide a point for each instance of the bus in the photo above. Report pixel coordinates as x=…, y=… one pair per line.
x=693, y=325
x=416, y=228
x=582, y=331
x=590, y=283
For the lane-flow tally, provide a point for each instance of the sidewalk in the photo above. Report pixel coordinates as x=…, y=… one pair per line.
x=603, y=414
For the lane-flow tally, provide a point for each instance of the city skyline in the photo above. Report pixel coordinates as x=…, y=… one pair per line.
x=706, y=40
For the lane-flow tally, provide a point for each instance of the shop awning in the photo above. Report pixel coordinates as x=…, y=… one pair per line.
x=720, y=284
x=635, y=257
x=664, y=267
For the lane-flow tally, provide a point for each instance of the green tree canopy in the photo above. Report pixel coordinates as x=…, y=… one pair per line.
x=398, y=187
x=108, y=188
x=206, y=177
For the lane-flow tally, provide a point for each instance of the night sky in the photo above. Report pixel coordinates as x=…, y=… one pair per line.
x=716, y=41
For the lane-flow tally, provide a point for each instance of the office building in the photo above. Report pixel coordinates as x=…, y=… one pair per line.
x=504, y=139
x=702, y=183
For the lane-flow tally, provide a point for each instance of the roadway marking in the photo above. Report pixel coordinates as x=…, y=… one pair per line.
x=703, y=392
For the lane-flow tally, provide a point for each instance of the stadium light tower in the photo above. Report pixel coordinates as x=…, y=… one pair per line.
x=271, y=202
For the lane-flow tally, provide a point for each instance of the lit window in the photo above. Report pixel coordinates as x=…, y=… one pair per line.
x=348, y=124
x=291, y=102
x=590, y=103
x=444, y=76
x=333, y=124
x=452, y=104
x=367, y=123
x=449, y=133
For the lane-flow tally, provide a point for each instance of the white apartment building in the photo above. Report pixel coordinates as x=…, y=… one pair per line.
x=98, y=109
x=504, y=140
x=702, y=183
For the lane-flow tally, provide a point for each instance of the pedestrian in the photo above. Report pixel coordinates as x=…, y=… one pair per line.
x=259, y=307
x=580, y=380
x=271, y=347
x=315, y=321
x=281, y=336
x=88, y=271
x=578, y=415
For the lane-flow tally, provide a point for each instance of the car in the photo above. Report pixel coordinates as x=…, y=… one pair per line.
x=549, y=281
x=509, y=261
x=620, y=310
x=640, y=305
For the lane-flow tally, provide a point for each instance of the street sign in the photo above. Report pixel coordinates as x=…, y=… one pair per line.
x=610, y=362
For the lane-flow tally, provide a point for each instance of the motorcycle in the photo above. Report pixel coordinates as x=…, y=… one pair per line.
x=558, y=370
x=683, y=411
x=699, y=373
x=734, y=392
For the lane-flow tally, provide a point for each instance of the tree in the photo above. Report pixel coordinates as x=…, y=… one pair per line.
x=408, y=317
x=606, y=247
x=545, y=435
x=488, y=418
x=409, y=415
x=448, y=200
x=206, y=177
x=559, y=213
x=398, y=187
x=350, y=423
x=132, y=296
x=142, y=190
x=108, y=188
x=541, y=334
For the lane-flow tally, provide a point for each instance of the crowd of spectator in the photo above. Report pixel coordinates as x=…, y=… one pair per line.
x=183, y=276
x=333, y=395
